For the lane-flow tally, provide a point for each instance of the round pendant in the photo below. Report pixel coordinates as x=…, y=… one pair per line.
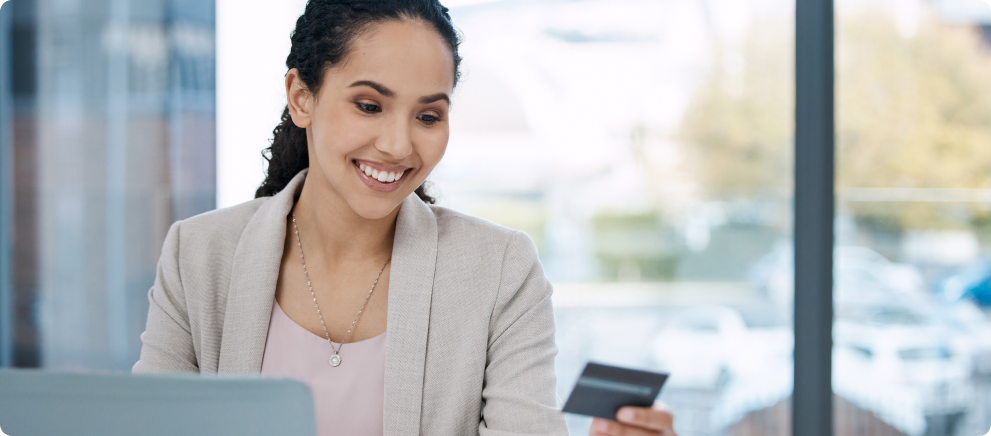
x=335, y=360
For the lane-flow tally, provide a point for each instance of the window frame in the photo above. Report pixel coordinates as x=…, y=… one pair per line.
x=814, y=204
x=6, y=192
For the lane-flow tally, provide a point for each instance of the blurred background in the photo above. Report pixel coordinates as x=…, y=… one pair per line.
x=644, y=145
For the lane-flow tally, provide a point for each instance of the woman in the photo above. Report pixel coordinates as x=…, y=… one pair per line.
x=404, y=318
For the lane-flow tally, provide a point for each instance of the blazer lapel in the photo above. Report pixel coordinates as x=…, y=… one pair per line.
x=254, y=275
x=414, y=255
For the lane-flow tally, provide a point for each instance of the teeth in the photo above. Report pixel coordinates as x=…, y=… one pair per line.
x=381, y=176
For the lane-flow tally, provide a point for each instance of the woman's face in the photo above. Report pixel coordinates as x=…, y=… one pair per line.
x=379, y=124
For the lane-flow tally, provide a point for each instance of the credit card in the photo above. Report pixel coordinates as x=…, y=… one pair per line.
x=602, y=390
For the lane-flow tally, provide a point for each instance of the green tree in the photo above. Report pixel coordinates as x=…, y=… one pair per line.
x=912, y=111
x=738, y=126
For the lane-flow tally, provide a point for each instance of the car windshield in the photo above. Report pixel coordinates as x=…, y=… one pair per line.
x=897, y=316
x=924, y=353
x=862, y=351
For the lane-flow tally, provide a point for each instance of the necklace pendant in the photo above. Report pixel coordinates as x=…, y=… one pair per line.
x=335, y=360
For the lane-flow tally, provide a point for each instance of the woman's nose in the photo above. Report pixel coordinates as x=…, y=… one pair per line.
x=396, y=140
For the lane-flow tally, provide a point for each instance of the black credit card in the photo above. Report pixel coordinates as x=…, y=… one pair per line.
x=603, y=389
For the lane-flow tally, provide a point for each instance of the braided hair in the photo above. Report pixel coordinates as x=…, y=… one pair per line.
x=322, y=39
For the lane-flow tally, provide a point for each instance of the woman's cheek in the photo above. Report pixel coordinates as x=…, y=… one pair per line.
x=435, y=146
x=347, y=136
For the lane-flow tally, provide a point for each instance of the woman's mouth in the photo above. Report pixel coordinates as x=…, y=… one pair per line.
x=381, y=177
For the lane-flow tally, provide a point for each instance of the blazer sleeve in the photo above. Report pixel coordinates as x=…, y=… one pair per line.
x=519, y=388
x=167, y=342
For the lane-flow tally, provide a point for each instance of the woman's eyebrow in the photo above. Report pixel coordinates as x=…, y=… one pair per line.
x=382, y=89
x=376, y=86
x=432, y=98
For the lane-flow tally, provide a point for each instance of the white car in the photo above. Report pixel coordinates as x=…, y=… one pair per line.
x=698, y=344
x=921, y=356
x=902, y=374
x=860, y=274
x=705, y=346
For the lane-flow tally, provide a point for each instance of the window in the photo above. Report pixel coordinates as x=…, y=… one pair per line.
x=913, y=105
x=625, y=137
x=111, y=109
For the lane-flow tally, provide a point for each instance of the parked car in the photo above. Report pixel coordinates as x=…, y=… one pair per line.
x=909, y=376
x=919, y=355
x=971, y=282
x=970, y=331
x=707, y=346
x=698, y=345
x=861, y=274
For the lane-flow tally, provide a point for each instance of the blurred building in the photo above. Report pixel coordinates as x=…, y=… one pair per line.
x=108, y=137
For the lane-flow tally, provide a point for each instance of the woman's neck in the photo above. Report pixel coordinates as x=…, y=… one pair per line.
x=339, y=233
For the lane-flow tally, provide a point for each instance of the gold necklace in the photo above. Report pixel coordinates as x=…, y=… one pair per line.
x=335, y=360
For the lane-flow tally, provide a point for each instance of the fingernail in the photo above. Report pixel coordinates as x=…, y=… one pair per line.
x=625, y=415
x=600, y=425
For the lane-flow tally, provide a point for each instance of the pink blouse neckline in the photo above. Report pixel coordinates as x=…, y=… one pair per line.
x=323, y=339
x=348, y=399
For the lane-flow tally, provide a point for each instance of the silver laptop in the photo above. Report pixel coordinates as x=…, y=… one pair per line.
x=41, y=403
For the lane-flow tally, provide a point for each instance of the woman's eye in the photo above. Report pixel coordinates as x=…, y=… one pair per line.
x=428, y=119
x=368, y=107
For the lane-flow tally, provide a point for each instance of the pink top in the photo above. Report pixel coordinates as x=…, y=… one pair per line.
x=348, y=398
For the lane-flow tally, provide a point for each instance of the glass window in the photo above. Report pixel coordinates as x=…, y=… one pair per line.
x=112, y=139
x=645, y=147
x=913, y=215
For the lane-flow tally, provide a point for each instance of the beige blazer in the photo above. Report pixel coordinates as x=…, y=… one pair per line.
x=470, y=326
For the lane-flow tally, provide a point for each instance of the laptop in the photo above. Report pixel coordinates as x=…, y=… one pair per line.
x=43, y=403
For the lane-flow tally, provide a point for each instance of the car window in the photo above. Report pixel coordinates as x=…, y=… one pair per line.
x=924, y=353
x=862, y=351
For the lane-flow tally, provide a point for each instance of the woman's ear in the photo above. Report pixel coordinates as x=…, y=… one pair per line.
x=299, y=99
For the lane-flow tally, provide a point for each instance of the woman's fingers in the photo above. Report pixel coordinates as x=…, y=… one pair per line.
x=637, y=421
x=605, y=427
x=655, y=418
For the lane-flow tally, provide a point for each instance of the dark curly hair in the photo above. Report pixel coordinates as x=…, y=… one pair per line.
x=322, y=39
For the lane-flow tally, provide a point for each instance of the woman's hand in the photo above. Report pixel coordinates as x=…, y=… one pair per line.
x=637, y=421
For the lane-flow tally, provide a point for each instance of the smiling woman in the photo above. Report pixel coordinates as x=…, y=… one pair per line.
x=384, y=109
x=310, y=56
x=403, y=317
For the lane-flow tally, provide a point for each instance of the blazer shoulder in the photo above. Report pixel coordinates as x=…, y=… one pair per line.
x=224, y=221
x=467, y=230
x=449, y=220
x=218, y=228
